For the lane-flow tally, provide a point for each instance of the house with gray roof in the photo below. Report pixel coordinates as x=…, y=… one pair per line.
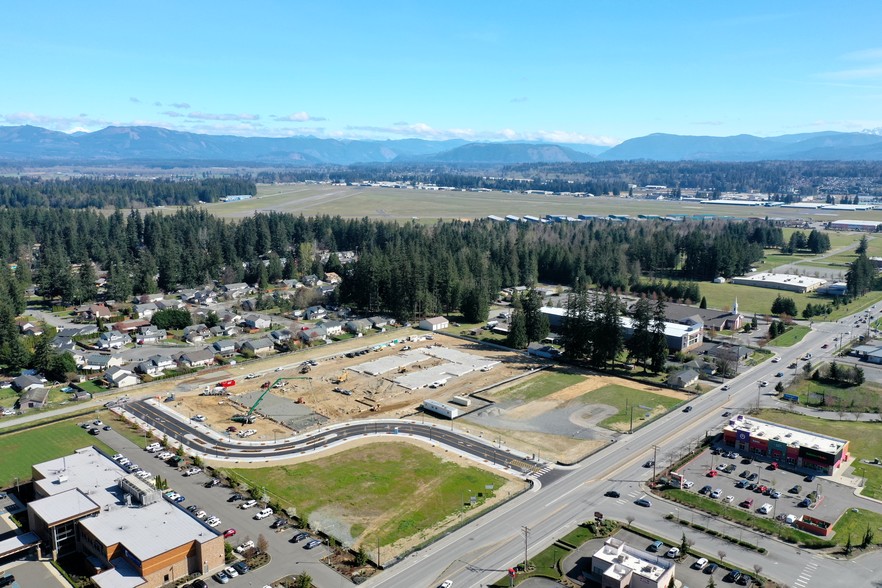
x=359, y=326
x=224, y=348
x=682, y=379
x=118, y=377
x=256, y=321
x=33, y=398
x=257, y=346
x=27, y=382
x=193, y=359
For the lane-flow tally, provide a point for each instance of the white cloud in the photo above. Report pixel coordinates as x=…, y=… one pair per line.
x=213, y=116
x=135, y=100
x=180, y=105
x=425, y=131
x=173, y=114
x=298, y=117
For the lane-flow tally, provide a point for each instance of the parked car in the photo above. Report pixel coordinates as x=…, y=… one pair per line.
x=711, y=568
x=741, y=484
x=193, y=508
x=245, y=546
x=705, y=489
x=805, y=502
x=699, y=563
x=744, y=474
x=752, y=477
x=796, y=489
x=193, y=471
x=746, y=503
x=236, y=496
x=278, y=523
x=299, y=537
x=673, y=552
x=729, y=498
x=241, y=567
x=229, y=533
x=248, y=504
x=221, y=577
x=231, y=572
x=686, y=484
x=212, y=483
x=262, y=514
x=745, y=580
x=732, y=576
x=810, y=478
x=716, y=493
x=312, y=544
x=730, y=468
x=775, y=494
x=711, y=474
x=656, y=545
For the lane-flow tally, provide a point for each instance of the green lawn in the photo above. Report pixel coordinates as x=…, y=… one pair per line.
x=837, y=239
x=759, y=300
x=35, y=445
x=623, y=398
x=792, y=336
x=540, y=386
x=865, y=441
x=773, y=259
x=91, y=386
x=383, y=491
x=864, y=398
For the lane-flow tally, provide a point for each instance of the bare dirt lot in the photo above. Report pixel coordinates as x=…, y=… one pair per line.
x=370, y=395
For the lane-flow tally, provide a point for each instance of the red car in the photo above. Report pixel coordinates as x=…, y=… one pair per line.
x=712, y=474
x=761, y=489
x=746, y=503
x=229, y=533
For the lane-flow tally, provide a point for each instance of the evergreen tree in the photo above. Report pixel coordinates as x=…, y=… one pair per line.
x=703, y=303
x=536, y=322
x=861, y=276
x=608, y=337
x=87, y=279
x=659, y=349
x=578, y=326
x=640, y=344
x=475, y=306
x=517, y=330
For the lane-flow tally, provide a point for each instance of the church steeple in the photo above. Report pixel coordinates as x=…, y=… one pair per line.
x=735, y=307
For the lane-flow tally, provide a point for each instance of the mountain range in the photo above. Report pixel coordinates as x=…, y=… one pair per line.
x=153, y=144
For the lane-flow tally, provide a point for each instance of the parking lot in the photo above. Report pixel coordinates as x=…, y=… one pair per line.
x=217, y=501
x=578, y=562
x=761, y=480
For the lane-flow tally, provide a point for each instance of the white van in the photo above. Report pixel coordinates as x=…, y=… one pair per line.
x=263, y=514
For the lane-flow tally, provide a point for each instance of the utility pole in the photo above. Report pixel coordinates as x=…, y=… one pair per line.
x=526, y=531
x=654, y=457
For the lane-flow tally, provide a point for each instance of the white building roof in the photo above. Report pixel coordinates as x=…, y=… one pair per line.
x=856, y=223
x=64, y=506
x=148, y=531
x=783, y=279
x=121, y=575
x=625, y=559
x=671, y=329
x=87, y=469
x=792, y=437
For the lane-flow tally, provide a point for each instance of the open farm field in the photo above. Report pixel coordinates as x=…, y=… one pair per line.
x=391, y=492
x=399, y=204
x=759, y=300
x=22, y=449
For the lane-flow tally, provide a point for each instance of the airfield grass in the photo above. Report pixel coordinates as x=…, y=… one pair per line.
x=623, y=398
x=540, y=386
x=385, y=491
x=22, y=449
x=865, y=441
x=793, y=336
x=837, y=239
x=428, y=206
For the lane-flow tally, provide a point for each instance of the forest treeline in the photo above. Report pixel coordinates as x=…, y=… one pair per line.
x=96, y=192
x=406, y=269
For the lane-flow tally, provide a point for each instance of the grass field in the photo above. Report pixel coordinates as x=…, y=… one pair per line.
x=759, y=300
x=865, y=441
x=542, y=385
x=864, y=398
x=791, y=337
x=397, y=204
x=385, y=491
x=623, y=398
x=22, y=449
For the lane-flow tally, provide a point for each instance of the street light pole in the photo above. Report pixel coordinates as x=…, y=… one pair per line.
x=526, y=531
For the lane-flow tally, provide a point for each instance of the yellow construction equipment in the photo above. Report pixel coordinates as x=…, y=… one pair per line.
x=341, y=378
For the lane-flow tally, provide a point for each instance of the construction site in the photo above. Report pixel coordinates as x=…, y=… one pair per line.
x=390, y=378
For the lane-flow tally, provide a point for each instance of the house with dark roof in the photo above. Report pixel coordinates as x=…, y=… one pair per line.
x=682, y=379
x=224, y=348
x=27, y=382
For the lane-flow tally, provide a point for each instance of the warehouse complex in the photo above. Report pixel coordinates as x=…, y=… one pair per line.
x=791, y=448
x=786, y=282
x=86, y=503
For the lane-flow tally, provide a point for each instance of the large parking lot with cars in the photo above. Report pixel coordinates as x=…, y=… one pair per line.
x=719, y=473
x=201, y=497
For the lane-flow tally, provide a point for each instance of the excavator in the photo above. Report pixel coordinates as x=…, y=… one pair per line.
x=249, y=418
x=341, y=378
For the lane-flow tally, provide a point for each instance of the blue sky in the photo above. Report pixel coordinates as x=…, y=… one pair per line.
x=582, y=71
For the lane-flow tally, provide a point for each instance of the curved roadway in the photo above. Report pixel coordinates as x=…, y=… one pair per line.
x=175, y=427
